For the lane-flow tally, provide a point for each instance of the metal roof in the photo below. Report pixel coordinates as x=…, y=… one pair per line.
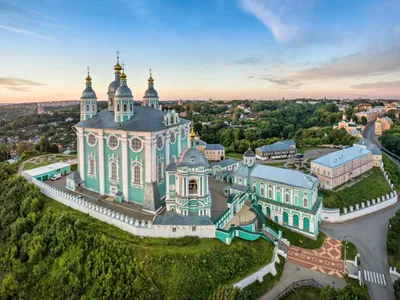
x=335, y=159
x=214, y=147
x=278, y=146
x=145, y=118
x=173, y=218
x=46, y=169
x=192, y=157
x=224, y=163
x=278, y=175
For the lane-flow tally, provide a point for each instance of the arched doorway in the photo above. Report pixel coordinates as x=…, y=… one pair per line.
x=268, y=212
x=285, y=218
x=306, y=224
x=276, y=219
x=193, y=187
x=278, y=195
x=296, y=221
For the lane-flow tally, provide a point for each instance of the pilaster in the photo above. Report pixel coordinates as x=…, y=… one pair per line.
x=148, y=161
x=124, y=162
x=101, y=161
x=81, y=152
x=166, y=144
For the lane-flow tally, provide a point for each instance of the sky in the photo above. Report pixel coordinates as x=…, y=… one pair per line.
x=201, y=49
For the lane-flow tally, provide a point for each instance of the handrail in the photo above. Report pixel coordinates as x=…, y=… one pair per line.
x=296, y=284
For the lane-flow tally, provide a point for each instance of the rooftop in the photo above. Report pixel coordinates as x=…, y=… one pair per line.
x=214, y=147
x=173, y=218
x=278, y=146
x=278, y=175
x=369, y=145
x=224, y=163
x=46, y=169
x=335, y=159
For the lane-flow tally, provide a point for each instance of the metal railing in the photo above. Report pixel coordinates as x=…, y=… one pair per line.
x=300, y=283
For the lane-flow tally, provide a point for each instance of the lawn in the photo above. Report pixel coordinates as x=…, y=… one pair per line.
x=393, y=241
x=373, y=185
x=297, y=239
x=304, y=149
x=57, y=158
x=276, y=164
x=234, y=155
x=392, y=170
x=351, y=250
x=174, y=264
x=304, y=293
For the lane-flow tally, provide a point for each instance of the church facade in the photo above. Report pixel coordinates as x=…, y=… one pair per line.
x=123, y=150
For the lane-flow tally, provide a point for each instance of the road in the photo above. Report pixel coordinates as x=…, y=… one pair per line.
x=369, y=235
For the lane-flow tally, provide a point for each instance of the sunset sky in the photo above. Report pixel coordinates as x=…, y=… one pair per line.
x=200, y=49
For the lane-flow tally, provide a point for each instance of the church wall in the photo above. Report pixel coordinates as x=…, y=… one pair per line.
x=136, y=192
x=161, y=155
x=109, y=153
x=91, y=182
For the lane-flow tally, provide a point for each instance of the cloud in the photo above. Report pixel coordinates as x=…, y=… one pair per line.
x=250, y=77
x=281, y=17
x=24, y=31
x=246, y=61
x=18, y=84
x=284, y=83
x=378, y=85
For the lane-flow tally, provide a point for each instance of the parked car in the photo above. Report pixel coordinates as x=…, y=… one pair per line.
x=56, y=176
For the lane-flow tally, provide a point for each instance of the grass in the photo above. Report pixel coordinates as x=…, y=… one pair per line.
x=57, y=158
x=372, y=186
x=160, y=247
x=258, y=289
x=351, y=250
x=354, y=283
x=298, y=239
x=304, y=149
x=303, y=293
x=234, y=155
x=276, y=164
x=392, y=170
x=393, y=242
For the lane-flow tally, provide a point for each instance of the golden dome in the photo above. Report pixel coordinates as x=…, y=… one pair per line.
x=123, y=75
x=151, y=80
x=88, y=78
x=192, y=135
x=117, y=67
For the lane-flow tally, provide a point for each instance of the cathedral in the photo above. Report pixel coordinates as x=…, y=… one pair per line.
x=139, y=154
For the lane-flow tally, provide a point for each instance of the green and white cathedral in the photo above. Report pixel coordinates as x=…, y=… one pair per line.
x=139, y=154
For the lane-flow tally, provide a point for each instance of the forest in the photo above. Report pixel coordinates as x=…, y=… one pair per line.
x=48, y=251
x=391, y=139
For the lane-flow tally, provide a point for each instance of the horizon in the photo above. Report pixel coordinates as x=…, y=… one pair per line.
x=225, y=50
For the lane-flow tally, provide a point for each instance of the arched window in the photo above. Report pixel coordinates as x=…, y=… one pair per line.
x=93, y=108
x=262, y=191
x=91, y=165
x=136, y=175
x=270, y=193
x=152, y=105
x=125, y=107
x=287, y=198
x=87, y=107
x=160, y=170
x=193, y=187
x=171, y=119
x=131, y=107
x=117, y=107
x=305, y=203
x=254, y=189
x=173, y=159
x=114, y=170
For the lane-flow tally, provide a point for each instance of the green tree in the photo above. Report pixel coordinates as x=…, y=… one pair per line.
x=22, y=146
x=396, y=287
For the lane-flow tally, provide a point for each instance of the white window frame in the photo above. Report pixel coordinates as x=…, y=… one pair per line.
x=87, y=139
x=92, y=157
x=130, y=144
x=172, y=133
x=162, y=138
x=108, y=142
x=113, y=159
x=136, y=163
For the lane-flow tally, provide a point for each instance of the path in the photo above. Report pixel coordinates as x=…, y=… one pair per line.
x=325, y=259
x=292, y=273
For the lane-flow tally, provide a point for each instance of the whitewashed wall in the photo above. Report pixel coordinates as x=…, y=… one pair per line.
x=334, y=215
x=259, y=275
x=126, y=223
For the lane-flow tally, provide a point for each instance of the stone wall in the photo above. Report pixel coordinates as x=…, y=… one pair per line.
x=126, y=223
x=259, y=275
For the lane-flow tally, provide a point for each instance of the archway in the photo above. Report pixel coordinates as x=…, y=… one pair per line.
x=268, y=212
x=306, y=224
x=285, y=218
x=295, y=221
x=193, y=187
x=276, y=219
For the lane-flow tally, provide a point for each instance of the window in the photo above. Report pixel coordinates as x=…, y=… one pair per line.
x=171, y=119
x=193, y=187
x=173, y=159
x=113, y=142
x=131, y=107
x=87, y=107
x=117, y=107
x=305, y=204
x=262, y=191
x=91, y=139
x=183, y=133
x=92, y=165
x=270, y=193
x=174, y=229
x=136, y=144
x=136, y=175
x=160, y=170
x=194, y=228
x=254, y=189
x=287, y=198
x=172, y=137
x=160, y=142
x=93, y=108
x=125, y=107
x=114, y=170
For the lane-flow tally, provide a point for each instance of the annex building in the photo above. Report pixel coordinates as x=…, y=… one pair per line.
x=124, y=150
x=280, y=149
x=337, y=168
x=287, y=197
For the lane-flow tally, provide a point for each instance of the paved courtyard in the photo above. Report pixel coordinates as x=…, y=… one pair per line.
x=325, y=259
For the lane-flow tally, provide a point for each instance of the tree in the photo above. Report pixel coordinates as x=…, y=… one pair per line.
x=22, y=146
x=3, y=152
x=328, y=293
x=396, y=287
x=364, y=120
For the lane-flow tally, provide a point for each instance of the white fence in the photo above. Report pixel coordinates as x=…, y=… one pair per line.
x=126, y=223
x=259, y=275
x=362, y=209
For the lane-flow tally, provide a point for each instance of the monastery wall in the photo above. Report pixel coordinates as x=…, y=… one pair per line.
x=126, y=223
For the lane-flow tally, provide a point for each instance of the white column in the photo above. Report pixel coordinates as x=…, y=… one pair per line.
x=153, y=161
x=166, y=144
x=101, y=162
x=179, y=142
x=81, y=152
x=125, y=163
x=167, y=187
x=148, y=160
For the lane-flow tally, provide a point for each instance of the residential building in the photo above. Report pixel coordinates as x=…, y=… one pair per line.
x=337, y=168
x=222, y=169
x=382, y=124
x=280, y=149
x=348, y=125
x=370, y=115
x=363, y=106
x=214, y=152
x=376, y=152
x=287, y=197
